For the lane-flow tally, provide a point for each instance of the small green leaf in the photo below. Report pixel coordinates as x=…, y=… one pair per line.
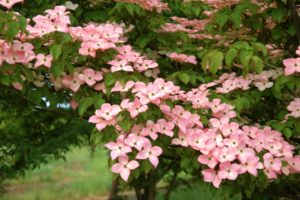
x=184, y=77
x=144, y=42
x=84, y=104
x=276, y=32
x=56, y=50
x=185, y=161
x=35, y=96
x=65, y=38
x=236, y=18
x=256, y=24
x=277, y=14
x=69, y=67
x=287, y=132
x=292, y=30
x=23, y=22
x=57, y=68
x=13, y=28
x=28, y=74
x=130, y=8
x=223, y=20
x=215, y=61
x=230, y=55
x=125, y=125
x=239, y=104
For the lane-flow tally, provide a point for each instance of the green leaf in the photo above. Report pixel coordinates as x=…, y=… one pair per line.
x=69, y=67
x=125, y=125
x=163, y=41
x=184, y=77
x=215, y=61
x=13, y=28
x=56, y=50
x=260, y=46
x=65, y=38
x=6, y=16
x=277, y=14
x=28, y=74
x=23, y=22
x=287, y=132
x=239, y=104
x=109, y=80
x=195, y=162
x=230, y=55
x=185, y=161
x=84, y=104
x=130, y=8
x=144, y=42
x=256, y=24
x=236, y=18
x=276, y=32
x=226, y=190
x=224, y=18
x=5, y=80
x=39, y=2
x=57, y=68
x=79, y=10
x=292, y=30
x=35, y=96
x=98, y=103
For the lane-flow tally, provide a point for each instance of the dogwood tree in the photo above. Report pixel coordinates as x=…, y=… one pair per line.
x=205, y=87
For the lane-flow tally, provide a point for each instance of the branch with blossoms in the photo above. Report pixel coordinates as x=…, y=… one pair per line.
x=211, y=112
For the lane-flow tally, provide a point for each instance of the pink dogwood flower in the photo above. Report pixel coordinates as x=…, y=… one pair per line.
x=166, y=127
x=272, y=163
x=211, y=176
x=43, y=60
x=74, y=83
x=118, y=148
x=90, y=77
x=124, y=166
x=292, y=65
x=150, y=152
x=136, y=107
x=229, y=171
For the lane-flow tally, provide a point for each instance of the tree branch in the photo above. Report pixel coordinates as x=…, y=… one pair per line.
x=42, y=108
x=296, y=18
x=168, y=195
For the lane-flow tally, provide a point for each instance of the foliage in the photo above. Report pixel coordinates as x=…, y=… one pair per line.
x=205, y=90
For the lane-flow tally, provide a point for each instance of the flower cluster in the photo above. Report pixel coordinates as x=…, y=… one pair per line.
x=182, y=58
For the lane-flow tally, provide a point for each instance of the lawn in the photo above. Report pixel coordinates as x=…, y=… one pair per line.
x=81, y=178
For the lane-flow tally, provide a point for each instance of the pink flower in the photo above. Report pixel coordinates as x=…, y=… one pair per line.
x=136, y=107
x=210, y=175
x=87, y=49
x=229, y=171
x=181, y=140
x=100, y=122
x=250, y=131
x=74, y=83
x=134, y=141
x=118, y=148
x=108, y=112
x=251, y=165
x=272, y=163
x=263, y=85
x=208, y=160
x=90, y=77
x=9, y=3
x=120, y=65
x=12, y=57
x=151, y=130
x=120, y=88
x=292, y=65
x=166, y=127
x=150, y=152
x=216, y=105
x=124, y=166
x=226, y=154
x=228, y=129
x=43, y=60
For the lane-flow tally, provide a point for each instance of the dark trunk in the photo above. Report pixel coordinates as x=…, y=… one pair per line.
x=168, y=195
x=296, y=18
x=114, y=189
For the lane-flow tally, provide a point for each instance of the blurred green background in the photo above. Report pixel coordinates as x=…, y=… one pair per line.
x=85, y=178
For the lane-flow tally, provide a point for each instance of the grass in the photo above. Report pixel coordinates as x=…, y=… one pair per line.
x=82, y=177
x=79, y=177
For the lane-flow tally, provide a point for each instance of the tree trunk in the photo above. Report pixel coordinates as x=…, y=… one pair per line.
x=168, y=195
x=113, y=189
x=152, y=188
x=92, y=150
x=296, y=18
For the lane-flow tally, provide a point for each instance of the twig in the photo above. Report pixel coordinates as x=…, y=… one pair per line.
x=42, y=108
x=270, y=65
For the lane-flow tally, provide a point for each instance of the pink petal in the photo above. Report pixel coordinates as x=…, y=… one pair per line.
x=132, y=165
x=116, y=168
x=142, y=155
x=154, y=160
x=125, y=172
